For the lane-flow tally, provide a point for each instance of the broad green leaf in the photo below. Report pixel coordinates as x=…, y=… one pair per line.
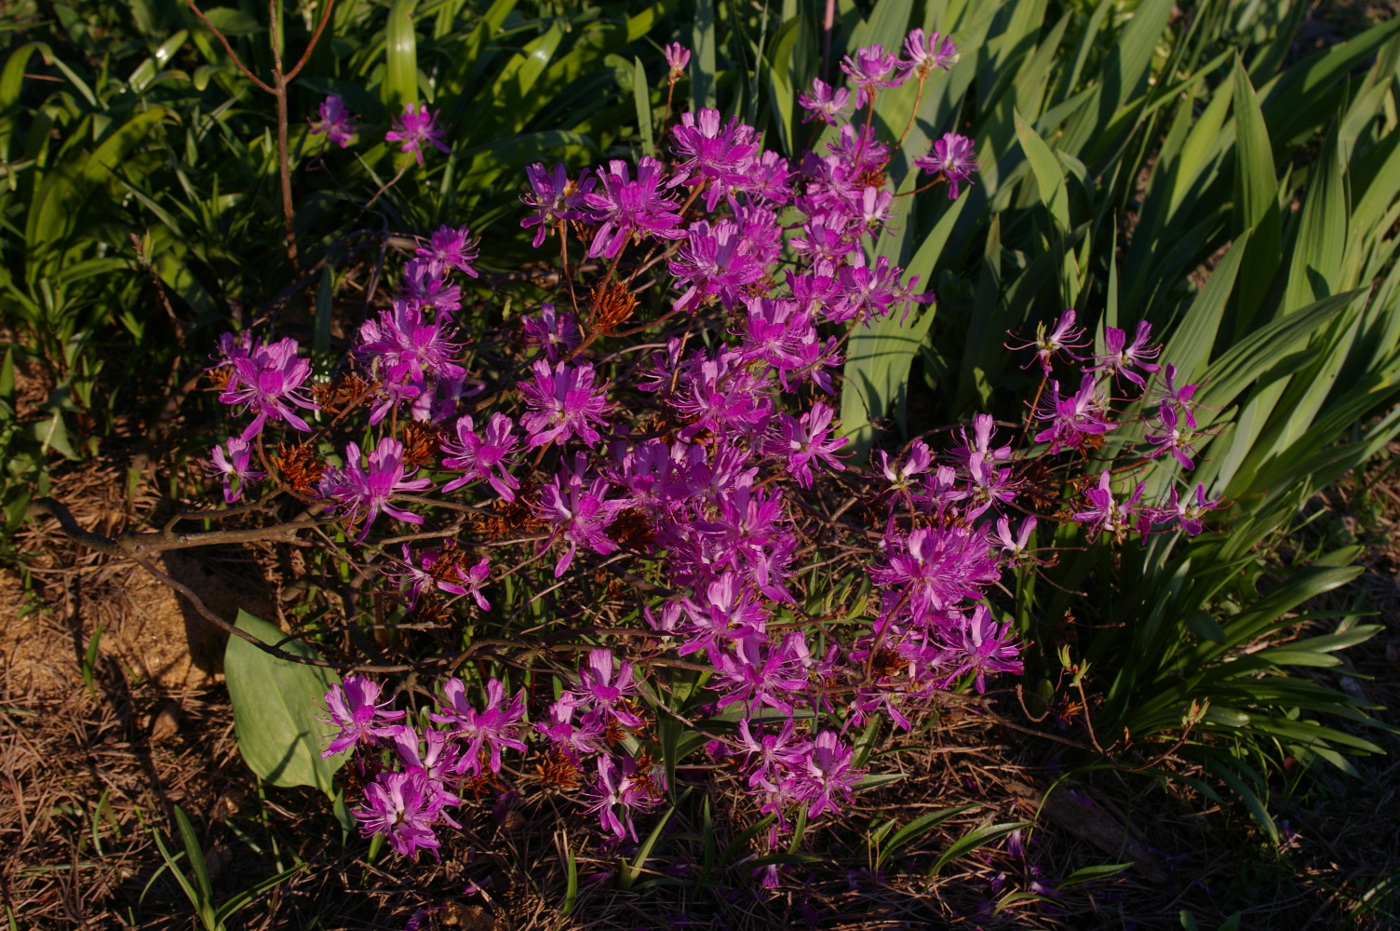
x=400, y=57
x=702, y=63
x=275, y=708
x=1049, y=175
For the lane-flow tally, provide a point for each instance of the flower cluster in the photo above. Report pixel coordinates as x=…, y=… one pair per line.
x=413, y=774
x=686, y=486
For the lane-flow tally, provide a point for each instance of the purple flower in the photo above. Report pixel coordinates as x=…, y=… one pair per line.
x=1064, y=337
x=869, y=69
x=426, y=285
x=829, y=106
x=713, y=262
x=1172, y=440
x=919, y=460
x=1072, y=418
x=266, y=380
x=495, y=727
x=951, y=156
x=983, y=646
x=606, y=688
x=771, y=755
x=403, y=807
x=553, y=198
x=719, y=152
x=554, y=330
x=1179, y=399
x=436, y=763
x=483, y=458
x=1105, y=515
x=827, y=775
x=232, y=460
x=725, y=611
x=923, y=55
x=405, y=349
x=416, y=126
x=353, y=709
x=983, y=428
x=450, y=248
x=677, y=59
x=1121, y=358
x=798, y=442
x=937, y=567
x=564, y=402
x=758, y=673
x=619, y=792
x=1015, y=546
x=415, y=574
x=627, y=209
x=1186, y=513
x=865, y=293
x=366, y=491
x=582, y=513
x=335, y=122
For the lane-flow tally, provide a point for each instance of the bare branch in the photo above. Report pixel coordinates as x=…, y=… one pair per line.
x=229, y=48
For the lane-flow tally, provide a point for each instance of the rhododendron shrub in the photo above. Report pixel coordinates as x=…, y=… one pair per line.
x=659, y=428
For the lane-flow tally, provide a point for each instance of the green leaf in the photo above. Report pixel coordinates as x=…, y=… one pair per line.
x=641, y=94
x=1091, y=873
x=247, y=896
x=1049, y=174
x=275, y=705
x=232, y=22
x=1206, y=627
x=1256, y=200
x=630, y=871
x=194, y=852
x=972, y=840
x=401, y=57
x=920, y=826
x=702, y=63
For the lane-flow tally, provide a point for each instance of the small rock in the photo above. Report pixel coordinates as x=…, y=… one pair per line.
x=165, y=722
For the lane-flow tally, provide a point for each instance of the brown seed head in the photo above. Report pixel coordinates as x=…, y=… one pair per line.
x=609, y=304
x=299, y=466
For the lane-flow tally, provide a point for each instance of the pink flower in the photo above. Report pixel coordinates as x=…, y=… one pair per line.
x=1122, y=358
x=677, y=59
x=829, y=106
x=1107, y=515
x=353, y=710
x=1061, y=339
x=365, y=491
x=483, y=458
x=232, y=460
x=800, y=442
x=266, y=380
x=923, y=55
x=951, y=156
x=450, y=248
x=983, y=646
x=494, y=728
x=404, y=808
x=629, y=210
x=868, y=69
x=416, y=126
x=335, y=122
x=564, y=403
